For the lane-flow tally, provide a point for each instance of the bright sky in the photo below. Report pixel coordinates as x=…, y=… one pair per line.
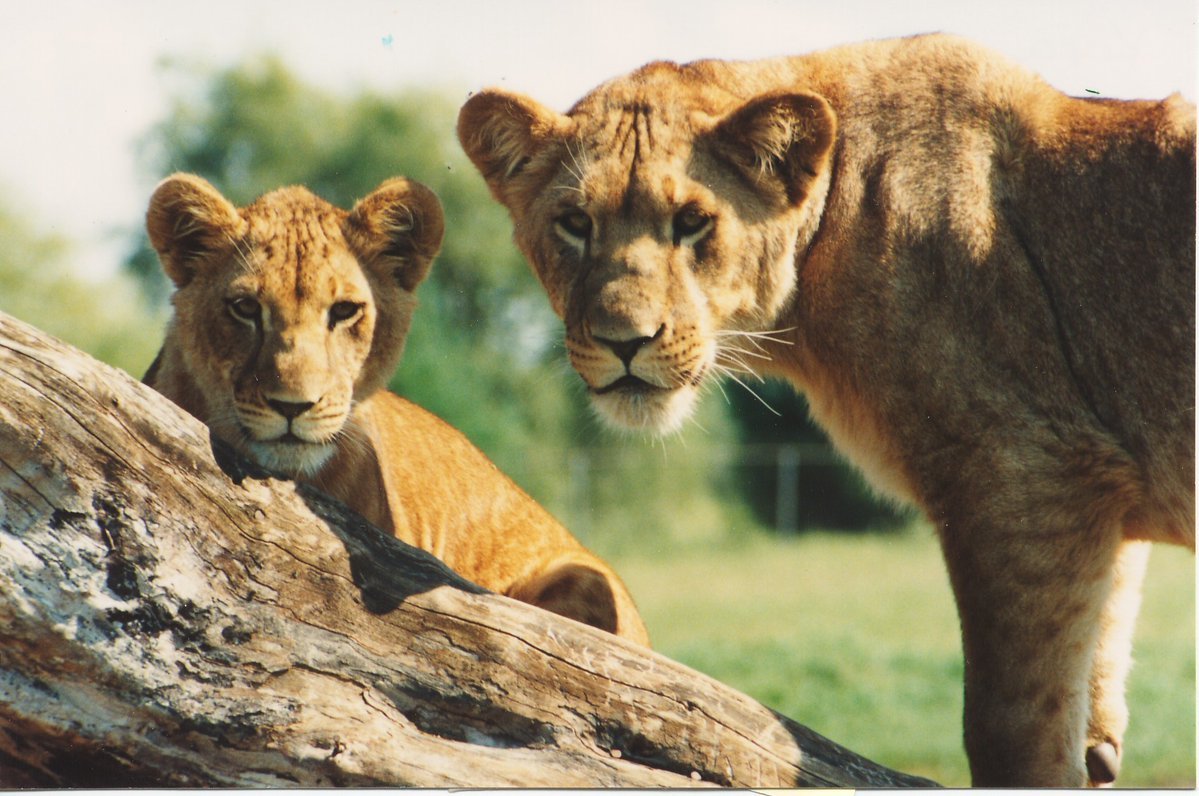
x=79, y=83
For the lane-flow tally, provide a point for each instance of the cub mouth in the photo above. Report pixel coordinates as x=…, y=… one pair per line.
x=289, y=453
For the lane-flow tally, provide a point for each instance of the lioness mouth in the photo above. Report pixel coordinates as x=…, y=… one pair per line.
x=627, y=383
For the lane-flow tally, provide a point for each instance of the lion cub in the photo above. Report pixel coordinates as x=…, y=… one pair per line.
x=289, y=316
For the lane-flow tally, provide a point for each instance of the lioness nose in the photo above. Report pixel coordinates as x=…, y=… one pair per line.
x=627, y=349
x=290, y=409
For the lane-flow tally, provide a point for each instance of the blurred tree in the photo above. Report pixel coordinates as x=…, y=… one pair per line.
x=484, y=352
x=255, y=127
x=106, y=318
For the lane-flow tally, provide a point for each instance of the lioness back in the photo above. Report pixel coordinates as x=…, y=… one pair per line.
x=289, y=317
x=984, y=288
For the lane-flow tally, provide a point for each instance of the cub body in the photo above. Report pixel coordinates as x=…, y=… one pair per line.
x=289, y=316
x=985, y=289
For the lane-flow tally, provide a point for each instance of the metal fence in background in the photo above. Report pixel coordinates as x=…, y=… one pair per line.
x=780, y=483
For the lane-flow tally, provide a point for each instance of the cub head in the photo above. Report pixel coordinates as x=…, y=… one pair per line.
x=289, y=310
x=662, y=216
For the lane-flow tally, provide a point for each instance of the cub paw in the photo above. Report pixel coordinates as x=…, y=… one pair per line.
x=574, y=591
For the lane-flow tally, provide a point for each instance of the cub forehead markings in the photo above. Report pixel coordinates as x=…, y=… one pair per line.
x=296, y=249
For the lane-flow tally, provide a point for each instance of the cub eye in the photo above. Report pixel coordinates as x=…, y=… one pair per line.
x=244, y=309
x=343, y=311
x=690, y=222
x=576, y=224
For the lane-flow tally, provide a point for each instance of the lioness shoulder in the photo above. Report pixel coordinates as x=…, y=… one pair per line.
x=289, y=317
x=985, y=288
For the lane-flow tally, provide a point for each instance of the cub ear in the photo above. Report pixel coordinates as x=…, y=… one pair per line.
x=502, y=132
x=398, y=226
x=785, y=137
x=188, y=220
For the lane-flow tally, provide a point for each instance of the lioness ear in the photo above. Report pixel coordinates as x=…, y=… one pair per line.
x=187, y=221
x=502, y=132
x=398, y=226
x=787, y=137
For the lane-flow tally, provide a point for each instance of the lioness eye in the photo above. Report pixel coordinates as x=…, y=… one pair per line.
x=576, y=224
x=343, y=311
x=245, y=309
x=689, y=222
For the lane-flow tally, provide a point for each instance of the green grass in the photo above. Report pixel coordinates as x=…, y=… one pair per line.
x=856, y=637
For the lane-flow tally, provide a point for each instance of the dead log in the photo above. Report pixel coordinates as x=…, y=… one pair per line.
x=171, y=616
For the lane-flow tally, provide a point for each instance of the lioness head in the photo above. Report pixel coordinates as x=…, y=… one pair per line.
x=662, y=216
x=290, y=310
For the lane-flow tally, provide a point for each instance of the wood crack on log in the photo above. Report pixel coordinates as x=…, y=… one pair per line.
x=172, y=616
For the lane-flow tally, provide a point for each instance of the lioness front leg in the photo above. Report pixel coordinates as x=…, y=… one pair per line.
x=1113, y=659
x=1030, y=604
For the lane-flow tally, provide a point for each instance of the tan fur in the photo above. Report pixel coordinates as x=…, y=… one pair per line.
x=332, y=294
x=984, y=288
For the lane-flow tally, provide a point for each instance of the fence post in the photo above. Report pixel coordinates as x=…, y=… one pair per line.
x=579, y=466
x=786, y=515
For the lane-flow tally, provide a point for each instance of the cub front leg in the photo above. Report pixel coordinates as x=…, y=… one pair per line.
x=1030, y=602
x=1113, y=659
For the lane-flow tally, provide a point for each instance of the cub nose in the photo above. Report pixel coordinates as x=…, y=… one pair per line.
x=625, y=350
x=290, y=409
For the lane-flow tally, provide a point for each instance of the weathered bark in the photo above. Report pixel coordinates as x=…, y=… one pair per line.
x=170, y=617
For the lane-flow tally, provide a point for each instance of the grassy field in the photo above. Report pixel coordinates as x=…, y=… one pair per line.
x=856, y=637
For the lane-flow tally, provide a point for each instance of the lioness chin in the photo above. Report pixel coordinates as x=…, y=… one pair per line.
x=985, y=289
x=289, y=316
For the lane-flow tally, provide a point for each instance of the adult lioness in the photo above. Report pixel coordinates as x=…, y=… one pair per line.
x=290, y=315
x=984, y=288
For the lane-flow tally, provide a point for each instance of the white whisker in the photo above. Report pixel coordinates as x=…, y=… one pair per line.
x=732, y=375
x=756, y=339
x=694, y=421
x=720, y=386
x=353, y=437
x=733, y=362
x=767, y=335
x=755, y=354
x=243, y=255
x=579, y=166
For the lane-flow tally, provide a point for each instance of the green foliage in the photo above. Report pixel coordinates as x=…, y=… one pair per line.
x=483, y=352
x=107, y=319
x=855, y=637
x=255, y=127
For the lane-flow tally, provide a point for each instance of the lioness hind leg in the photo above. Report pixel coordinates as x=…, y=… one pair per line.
x=1113, y=659
x=585, y=594
x=1030, y=605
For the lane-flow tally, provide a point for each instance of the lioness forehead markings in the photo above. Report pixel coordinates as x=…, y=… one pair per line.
x=617, y=162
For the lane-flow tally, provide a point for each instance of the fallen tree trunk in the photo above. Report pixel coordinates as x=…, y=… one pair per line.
x=173, y=618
